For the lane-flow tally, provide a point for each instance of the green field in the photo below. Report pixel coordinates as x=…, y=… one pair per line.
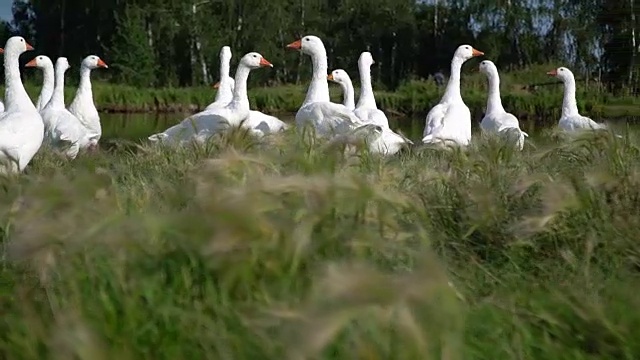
x=290, y=250
x=528, y=93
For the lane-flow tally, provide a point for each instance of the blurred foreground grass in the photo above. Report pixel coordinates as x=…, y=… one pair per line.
x=281, y=250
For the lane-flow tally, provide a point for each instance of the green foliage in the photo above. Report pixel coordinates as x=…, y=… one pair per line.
x=407, y=38
x=282, y=249
x=132, y=55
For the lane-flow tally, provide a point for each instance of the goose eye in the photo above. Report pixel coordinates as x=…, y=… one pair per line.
x=306, y=39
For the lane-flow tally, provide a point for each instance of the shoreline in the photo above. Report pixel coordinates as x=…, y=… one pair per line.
x=598, y=111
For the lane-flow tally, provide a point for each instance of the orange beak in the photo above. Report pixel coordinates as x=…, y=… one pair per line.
x=553, y=73
x=102, y=64
x=216, y=85
x=1, y=51
x=31, y=63
x=296, y=45
x=29, y=47
x=475, y=52
x=330, y=77
x=265, y=63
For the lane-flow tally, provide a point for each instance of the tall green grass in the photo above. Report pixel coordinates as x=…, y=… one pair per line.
x=542, y=102
x=283, y=250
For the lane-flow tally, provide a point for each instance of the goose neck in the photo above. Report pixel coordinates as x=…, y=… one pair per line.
x=569, y=103
x=494, y=102
x=453, y=87
x=348, y=94
x=240, y=98
x=84, y=88
x=319, y=87
x=367, y=99
x=224, y=67
x=47, y=86
x=16, y=97
x=57, y=99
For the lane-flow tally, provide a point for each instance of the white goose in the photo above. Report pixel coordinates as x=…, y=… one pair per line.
x=226, y=84
x=570, y=119
x=261, y=124
x=62, y=129
x=21, y=126
x=381, y=140
x=343, y=79
x=367, y=109
x=82, y=105
x=206, y=123
x=44, y=63
x=317, y=109
x=258, y=123
x=496, y=120
x=450, y=120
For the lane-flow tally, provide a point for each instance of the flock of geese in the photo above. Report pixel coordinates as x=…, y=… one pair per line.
x=25, y=127
x=448, y=123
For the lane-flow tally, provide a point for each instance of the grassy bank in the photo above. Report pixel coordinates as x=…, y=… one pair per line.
x=285, y=251
x=415, y=97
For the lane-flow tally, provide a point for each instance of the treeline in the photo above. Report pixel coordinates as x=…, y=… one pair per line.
x=176, y=42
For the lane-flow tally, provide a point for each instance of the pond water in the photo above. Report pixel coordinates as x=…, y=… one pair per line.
x=139, y=126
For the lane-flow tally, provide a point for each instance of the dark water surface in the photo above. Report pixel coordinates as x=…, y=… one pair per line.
x=138, y=126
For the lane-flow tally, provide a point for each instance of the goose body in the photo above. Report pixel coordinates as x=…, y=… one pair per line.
x=367, y=109
x=450, y=120
x=209, y=122
x=261, y=124
x=21, y=126
x=62, y=129
x=570, y=118
x=380, y=139
x=258, y=123
x=317, y=110
x=83, y=106
x=496, y=119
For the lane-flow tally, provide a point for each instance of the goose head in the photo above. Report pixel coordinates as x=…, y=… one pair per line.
x=366, y=59
x=225, y=54
x=561, y=73
x=93, y=62
x=339, y=76
x=253, y=60
x=488, y=68
x=225, y=58
x=466, y=52
x=40, y=61
x=62, y=64
x=310, y=45
x=17, y=45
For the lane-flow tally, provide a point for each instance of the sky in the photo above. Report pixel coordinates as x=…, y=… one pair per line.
x=5, y=9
